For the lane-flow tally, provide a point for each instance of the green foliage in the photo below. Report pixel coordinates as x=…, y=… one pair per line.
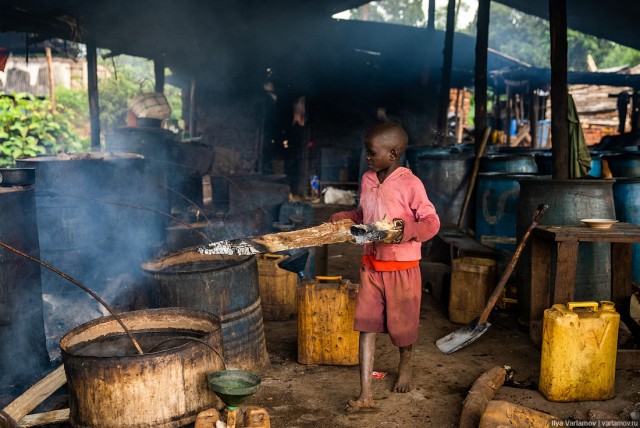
x=29, y=128
x=406, y=12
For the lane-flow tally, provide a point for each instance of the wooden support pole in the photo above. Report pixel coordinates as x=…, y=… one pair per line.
x=431, y=19
x=480, y=80
x=94, y=106
x=507, y=125
x=192, y=109
x=52, y=94
x=445, y=83
x=533, y=109
x=158, y=69
x=559, y=93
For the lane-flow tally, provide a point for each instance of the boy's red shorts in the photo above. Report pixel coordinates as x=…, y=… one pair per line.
x=389, y=302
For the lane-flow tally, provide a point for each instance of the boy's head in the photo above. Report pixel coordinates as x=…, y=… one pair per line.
x=392, y=134
x=385, y=144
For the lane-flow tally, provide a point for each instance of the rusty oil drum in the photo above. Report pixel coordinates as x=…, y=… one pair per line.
x=227, y=286
x=164, y=387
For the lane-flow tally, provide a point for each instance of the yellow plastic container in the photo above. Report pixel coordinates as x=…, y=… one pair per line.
x=325, y=322
x=579, y=345
x=472, y=281
x=277, y=288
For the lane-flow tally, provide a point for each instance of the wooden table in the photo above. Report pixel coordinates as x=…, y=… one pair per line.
x=565, y=239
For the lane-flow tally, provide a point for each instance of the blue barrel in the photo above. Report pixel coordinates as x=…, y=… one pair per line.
x=626, y=196
x=509, y=163
x=497, y=199
x=446, y=176
x=625, y=164
x=544, y=160
x=569, y=201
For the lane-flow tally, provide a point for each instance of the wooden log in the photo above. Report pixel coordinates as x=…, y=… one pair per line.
x=32, y=397
x=504, y=414
x=47, y=418
x=481, y=393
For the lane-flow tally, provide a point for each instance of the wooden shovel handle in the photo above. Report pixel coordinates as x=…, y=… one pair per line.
x=512, y=264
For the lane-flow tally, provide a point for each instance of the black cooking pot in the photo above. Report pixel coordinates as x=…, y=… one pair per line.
x=17, y=176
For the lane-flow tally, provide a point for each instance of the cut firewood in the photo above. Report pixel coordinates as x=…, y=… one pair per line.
x=482, y=391
x=326, y=233
x=504, y=414
x=32, y=397
x=47, y=418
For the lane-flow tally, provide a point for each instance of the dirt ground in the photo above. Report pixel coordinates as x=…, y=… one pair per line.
x=314, y=396
x=302, y=396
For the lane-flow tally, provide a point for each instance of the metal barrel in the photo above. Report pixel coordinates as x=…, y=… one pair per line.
x=85, y=235
x=497, y=199
x=626, y=196
x=446, y=176
x=624, y=164
x=544, y=160
x=156, y=145
x=170, y=376
x=23, y=355
x=569, y=201
x=509, y=163
x=227, y=286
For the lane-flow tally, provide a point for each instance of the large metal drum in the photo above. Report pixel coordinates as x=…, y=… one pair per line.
x=156, y=145
x=112, y=386
x=89, y=229
x=569, y=201
x=224, y=285
x=509, y=163
x=626, y=196
x=446, y=176
x=623, y=164
x=23, y=354
x=497, y=198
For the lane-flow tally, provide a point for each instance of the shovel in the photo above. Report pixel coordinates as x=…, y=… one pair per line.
x=476, y=328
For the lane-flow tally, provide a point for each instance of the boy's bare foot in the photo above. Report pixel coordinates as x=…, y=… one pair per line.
x=403, y=384
x=360, y=404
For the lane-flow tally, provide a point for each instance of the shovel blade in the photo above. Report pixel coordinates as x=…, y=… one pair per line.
x=462, y=337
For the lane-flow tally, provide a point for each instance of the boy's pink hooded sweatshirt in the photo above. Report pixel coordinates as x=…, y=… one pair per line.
x=401, y=195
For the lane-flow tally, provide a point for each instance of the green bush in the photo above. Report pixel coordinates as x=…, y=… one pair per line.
x=29, y=128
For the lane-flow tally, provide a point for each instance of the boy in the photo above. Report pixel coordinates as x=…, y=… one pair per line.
x=390, y=291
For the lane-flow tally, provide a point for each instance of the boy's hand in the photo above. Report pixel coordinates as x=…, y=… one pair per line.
x=385, y=231
x=398, y=228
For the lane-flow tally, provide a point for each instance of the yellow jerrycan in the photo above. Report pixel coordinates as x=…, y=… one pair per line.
x=579, y=345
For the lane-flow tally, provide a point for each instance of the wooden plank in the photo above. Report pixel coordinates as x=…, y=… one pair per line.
x=565, y=280
x=540, y=285
x=622, y=261
x=32, y=397
x=620, y=232
x=47, y=418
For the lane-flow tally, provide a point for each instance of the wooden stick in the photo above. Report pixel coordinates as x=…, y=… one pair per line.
x=474, y=174
x=47, y=418
x=32, y=397
x=481, y=392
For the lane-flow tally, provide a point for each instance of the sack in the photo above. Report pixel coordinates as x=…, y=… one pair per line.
x=338, y=196
x=150, y=105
